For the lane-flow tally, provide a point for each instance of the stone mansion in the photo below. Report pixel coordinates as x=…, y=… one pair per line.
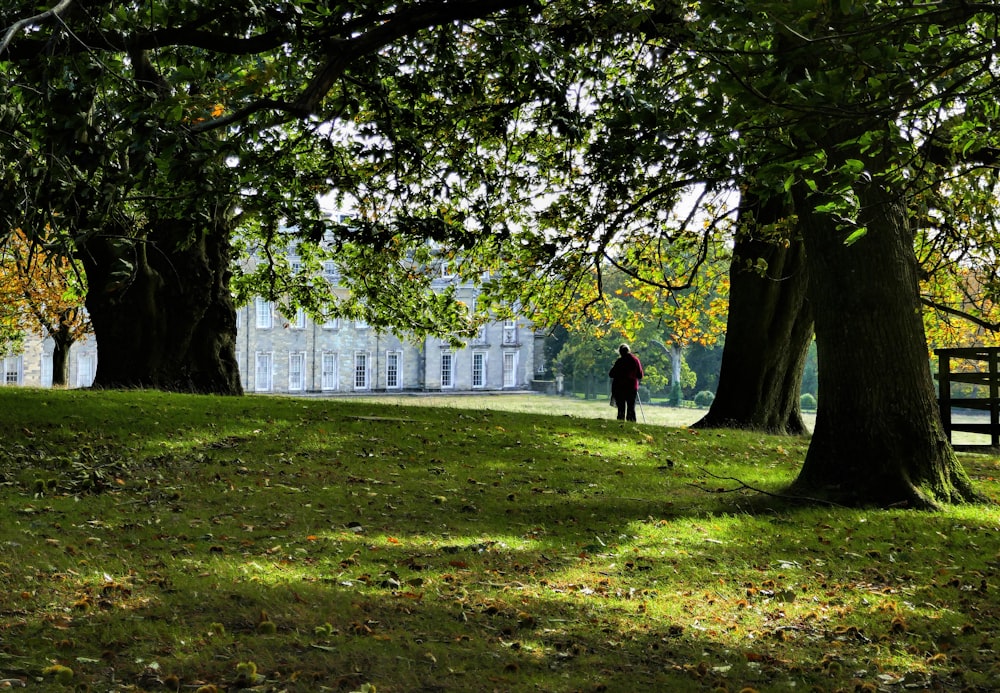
x=297, y=355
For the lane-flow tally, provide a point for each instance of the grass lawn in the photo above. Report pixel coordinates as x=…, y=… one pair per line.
x=155, y=542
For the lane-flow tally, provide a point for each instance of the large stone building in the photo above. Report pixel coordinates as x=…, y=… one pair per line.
x=294, y=354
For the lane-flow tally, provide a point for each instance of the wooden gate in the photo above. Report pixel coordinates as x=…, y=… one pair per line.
x=979, y=368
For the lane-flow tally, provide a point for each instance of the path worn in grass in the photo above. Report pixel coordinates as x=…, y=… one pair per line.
x=155, y=542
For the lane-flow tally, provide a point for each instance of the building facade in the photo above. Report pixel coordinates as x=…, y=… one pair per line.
x=297, y=355
x=32, y=366
x=284, y=354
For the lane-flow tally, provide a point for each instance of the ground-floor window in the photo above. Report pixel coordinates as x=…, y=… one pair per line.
x=393, y=370
x=510, y=369
x=479, y=369
x=361, y=371
x=296, y=371
x=262, y=382
x=447, y=369
x=330, y=370
x=12, y=370
x=86, y=365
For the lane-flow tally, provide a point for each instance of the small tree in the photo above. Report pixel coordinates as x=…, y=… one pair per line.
x=45, y=292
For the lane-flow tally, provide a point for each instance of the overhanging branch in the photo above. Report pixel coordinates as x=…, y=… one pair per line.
x=341, y=53
x=22, y=24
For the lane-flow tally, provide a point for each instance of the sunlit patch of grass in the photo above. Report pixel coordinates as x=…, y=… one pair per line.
x=174, y=540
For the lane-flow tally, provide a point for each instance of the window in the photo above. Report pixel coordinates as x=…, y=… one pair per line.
x=361, y=371
x=85, y=370
x=393, y=368
x=12, y=370
x=330, y=272
x=509, y=332
x=479, y=369
x=263, y=310
x=360, y=324
x=331, y=324
x=447, y=369
x=296, y=371
x=263, y=372
x=330, y=370
x=510, y=369
x=46, y=370
x=299, y=322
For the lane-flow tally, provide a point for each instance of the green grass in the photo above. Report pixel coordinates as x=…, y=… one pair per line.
x=159, y=542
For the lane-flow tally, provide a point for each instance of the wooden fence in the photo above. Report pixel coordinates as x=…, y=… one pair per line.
x=985, y=376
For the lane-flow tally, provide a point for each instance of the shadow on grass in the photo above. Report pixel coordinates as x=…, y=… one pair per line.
x=427, y=550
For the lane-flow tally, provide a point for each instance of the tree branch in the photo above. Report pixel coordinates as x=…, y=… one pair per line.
x=341, y=53
x=991, y=326
x=22, y=24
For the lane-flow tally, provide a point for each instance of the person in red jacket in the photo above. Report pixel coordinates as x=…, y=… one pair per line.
x=625, y=377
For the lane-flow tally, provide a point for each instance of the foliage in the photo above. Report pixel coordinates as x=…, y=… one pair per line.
x=704, y=398
x=45, y=290
x=307, y=544
x=178, y=125
x=807, y=401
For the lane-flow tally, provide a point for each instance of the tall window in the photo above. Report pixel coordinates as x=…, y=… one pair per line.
x=299, y=321
x=263, y=372
x=361, y=371
x=510, y=369
x=263, y=310
x=296, y=371
x=509, y=332
x=447, y=369
x=331, y=324
x=393, y=370
x=479, y=369
x=46, y=370
x=330, y=370
x=12, y=370
x=86, y=365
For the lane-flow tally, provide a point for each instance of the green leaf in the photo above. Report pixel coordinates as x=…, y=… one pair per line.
x=856, y=236
x=854, y=166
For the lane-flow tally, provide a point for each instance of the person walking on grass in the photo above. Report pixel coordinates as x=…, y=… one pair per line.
x=625, y=377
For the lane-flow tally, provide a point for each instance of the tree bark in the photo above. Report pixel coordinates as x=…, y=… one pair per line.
x=878, y=437
x=767, y=332
x=62, y=340
x=162, y=311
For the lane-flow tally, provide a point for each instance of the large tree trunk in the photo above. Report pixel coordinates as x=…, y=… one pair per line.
x=162, y=311
x=878, y=438
x=767, y=333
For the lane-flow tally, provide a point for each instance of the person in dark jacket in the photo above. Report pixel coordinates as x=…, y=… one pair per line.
x=625, y=377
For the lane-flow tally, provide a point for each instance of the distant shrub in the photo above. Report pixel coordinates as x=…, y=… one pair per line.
x=704, y=398
x=676, y=397
x=807, y=401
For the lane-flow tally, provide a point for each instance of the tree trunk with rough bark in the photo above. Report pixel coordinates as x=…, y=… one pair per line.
x=162, y=311
x=878, y=437
x=62, y=340
x=768, y=332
